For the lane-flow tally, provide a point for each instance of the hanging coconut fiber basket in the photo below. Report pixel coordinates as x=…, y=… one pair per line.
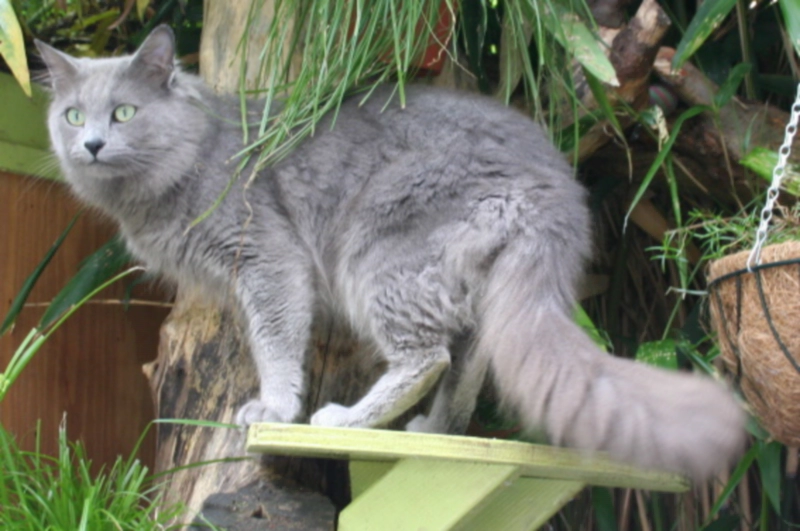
x=755, y=310
x=755, y=313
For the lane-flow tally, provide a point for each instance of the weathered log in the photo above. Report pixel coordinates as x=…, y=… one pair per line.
x=608, y=13
x=204, y=372
x=708, y=151
x=720, y=139
x=632, y=52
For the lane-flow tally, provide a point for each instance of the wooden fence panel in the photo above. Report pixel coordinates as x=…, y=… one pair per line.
x=91, y=368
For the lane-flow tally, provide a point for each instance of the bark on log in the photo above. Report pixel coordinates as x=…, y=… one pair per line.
x=608, y=13
x=204, y=372
x=720, y=140
x=707, y=152
x=633, y=50
x=224, y=23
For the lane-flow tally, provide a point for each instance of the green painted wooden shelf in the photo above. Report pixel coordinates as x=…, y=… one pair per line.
x=414, y=481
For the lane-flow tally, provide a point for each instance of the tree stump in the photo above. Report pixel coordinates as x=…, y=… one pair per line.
x=204, y=371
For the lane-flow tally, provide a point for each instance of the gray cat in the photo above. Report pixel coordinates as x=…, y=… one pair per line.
x=453, y=217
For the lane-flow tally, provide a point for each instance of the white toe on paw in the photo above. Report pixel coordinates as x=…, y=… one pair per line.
x=420, y=424
x=332, y=415
x=256, y=411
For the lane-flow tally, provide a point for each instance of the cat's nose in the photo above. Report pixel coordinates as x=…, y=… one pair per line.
x=94, y=146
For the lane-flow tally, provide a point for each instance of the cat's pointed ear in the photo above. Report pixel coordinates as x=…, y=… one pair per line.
x=155, y=58
x=61, y=68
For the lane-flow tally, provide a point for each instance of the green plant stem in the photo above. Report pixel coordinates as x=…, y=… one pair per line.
x=37, y=337
x=662, y=155
x=747, y=48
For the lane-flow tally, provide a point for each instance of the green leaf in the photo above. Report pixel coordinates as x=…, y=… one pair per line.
x=738, y=473
x=94, y=272
x=583, y=320
x=12, y=46
x=602, y=102
x=729, y=87
x=710, y=15
x=728, y=522
x=762, y=162
x=603, y=505
x=570, y=31
x=570, y=136
x=141, y=6
x=659, y=353
x=769, y=464
x=662, y=155
x=30, y=282
x=791, y=16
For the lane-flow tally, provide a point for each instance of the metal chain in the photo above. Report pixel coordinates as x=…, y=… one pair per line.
x=774, y=188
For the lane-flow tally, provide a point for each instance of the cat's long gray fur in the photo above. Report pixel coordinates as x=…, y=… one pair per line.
x=451, y=222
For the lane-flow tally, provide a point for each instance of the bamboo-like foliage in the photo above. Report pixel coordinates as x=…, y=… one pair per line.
x=317, y=52
x=340, y=44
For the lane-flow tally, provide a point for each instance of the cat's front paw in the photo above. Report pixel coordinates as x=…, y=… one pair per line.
x=333, y=415
x=258, y=411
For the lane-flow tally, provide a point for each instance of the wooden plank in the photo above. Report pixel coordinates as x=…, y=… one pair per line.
x=526, y=504
x=426, y=494
x=363, y=474
x=383, y=445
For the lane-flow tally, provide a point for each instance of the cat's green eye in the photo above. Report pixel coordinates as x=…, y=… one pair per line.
x=75, y=117
x=124, y=112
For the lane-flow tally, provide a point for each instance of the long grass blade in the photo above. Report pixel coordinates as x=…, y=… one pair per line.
x=603, y=505
x=738, y=474
x=662, y=155
x=791, y=17
x=19, y=301
x=53, y=326
x=769, y=467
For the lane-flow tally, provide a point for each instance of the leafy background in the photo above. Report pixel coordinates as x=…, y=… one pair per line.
x=663, y=202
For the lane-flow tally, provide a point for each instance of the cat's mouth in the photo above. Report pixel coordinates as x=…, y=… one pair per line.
x=97, y=168
x=94, y=162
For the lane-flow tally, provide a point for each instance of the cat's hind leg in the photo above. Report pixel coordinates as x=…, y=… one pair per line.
x=404, y=383
x=408, y=313
x=457, y=392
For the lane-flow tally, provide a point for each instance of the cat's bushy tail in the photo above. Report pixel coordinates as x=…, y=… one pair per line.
x=555, y=378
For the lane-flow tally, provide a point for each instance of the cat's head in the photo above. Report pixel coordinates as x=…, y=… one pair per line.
x=133, y=117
